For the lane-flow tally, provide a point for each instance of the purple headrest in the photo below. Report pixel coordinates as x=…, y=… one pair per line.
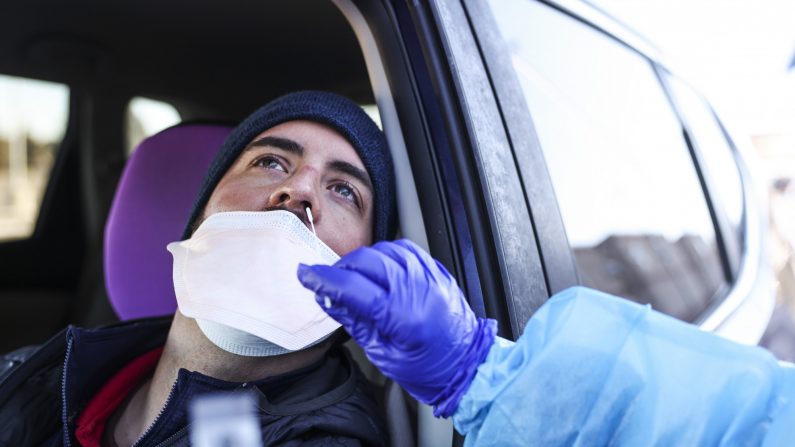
x=150, y=209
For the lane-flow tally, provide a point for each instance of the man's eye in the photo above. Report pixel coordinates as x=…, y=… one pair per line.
x=270, y=162
x=346, y=191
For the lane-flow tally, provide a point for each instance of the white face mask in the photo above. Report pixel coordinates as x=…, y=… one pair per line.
x=237, y=277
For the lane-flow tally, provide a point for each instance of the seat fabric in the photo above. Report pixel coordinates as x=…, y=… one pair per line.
x=152, y=203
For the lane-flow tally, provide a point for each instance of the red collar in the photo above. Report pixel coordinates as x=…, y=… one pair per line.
x=91, y=422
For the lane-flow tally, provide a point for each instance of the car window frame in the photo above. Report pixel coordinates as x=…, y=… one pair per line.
x=559, y=265
x=723, y=228
x=508, y=245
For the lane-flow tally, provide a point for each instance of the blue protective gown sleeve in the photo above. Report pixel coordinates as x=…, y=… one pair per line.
x=593, y=369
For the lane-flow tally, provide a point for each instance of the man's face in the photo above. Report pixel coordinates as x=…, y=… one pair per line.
x=298, y=164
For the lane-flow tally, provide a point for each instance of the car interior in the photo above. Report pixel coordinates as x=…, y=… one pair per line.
x=211, y=66
x=92, y=255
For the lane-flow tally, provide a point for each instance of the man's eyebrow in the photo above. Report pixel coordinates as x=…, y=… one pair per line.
x=284, y=144
x=347, y=168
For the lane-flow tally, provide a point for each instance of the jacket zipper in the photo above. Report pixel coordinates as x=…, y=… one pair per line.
x=66, y=418
x=159, y=415
x=180, y=433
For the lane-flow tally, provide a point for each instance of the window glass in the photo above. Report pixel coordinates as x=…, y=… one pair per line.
x=372, y=111
x=718, y=155
x=146, y=117
x=627, y=189
x=33, y=117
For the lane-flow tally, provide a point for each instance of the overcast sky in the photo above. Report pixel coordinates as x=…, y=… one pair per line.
x=737, y=52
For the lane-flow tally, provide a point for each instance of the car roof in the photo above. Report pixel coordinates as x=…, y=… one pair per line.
x=226, y=56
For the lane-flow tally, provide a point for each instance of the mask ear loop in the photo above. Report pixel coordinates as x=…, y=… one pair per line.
x=311, y=220
x=326, y=300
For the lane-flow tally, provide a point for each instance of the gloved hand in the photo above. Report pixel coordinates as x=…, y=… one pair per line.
x=408, y=314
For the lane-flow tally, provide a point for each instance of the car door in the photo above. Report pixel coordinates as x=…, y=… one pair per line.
x=657, y=203
x=562, y=155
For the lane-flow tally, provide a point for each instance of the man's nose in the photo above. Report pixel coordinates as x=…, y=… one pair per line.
x=297, y=192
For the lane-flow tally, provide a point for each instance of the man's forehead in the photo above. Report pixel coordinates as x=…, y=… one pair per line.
x=299, y=136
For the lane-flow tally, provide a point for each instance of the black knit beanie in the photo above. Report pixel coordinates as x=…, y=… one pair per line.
x=341, y=114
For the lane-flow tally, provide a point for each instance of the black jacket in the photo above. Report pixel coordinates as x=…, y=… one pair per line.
x=43, y=389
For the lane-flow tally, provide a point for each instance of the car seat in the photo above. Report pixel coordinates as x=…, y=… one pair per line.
x=150, y=208
x=151, y=205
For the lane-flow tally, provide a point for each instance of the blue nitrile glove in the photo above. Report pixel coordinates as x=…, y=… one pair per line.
x=408, y=314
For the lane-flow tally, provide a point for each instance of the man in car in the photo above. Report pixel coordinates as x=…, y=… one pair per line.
x=315, y=155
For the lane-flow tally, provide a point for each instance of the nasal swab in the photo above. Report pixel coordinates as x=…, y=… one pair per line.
x=311, y=219
x=326, y=300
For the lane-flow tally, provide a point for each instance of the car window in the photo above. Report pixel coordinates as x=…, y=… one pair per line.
x=628, y=192
x=33, y=118
x=372, y=112
x=146, y=117
x=718, y=155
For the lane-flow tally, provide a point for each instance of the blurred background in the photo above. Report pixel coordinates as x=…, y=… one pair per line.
x=741, y=55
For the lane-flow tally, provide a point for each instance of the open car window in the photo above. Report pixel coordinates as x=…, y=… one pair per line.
x=33, y=117
x=146, y=117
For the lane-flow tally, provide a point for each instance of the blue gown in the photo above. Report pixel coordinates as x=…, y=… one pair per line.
x=592, y=369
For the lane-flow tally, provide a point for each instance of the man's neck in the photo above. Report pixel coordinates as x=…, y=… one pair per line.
x=187, y=347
